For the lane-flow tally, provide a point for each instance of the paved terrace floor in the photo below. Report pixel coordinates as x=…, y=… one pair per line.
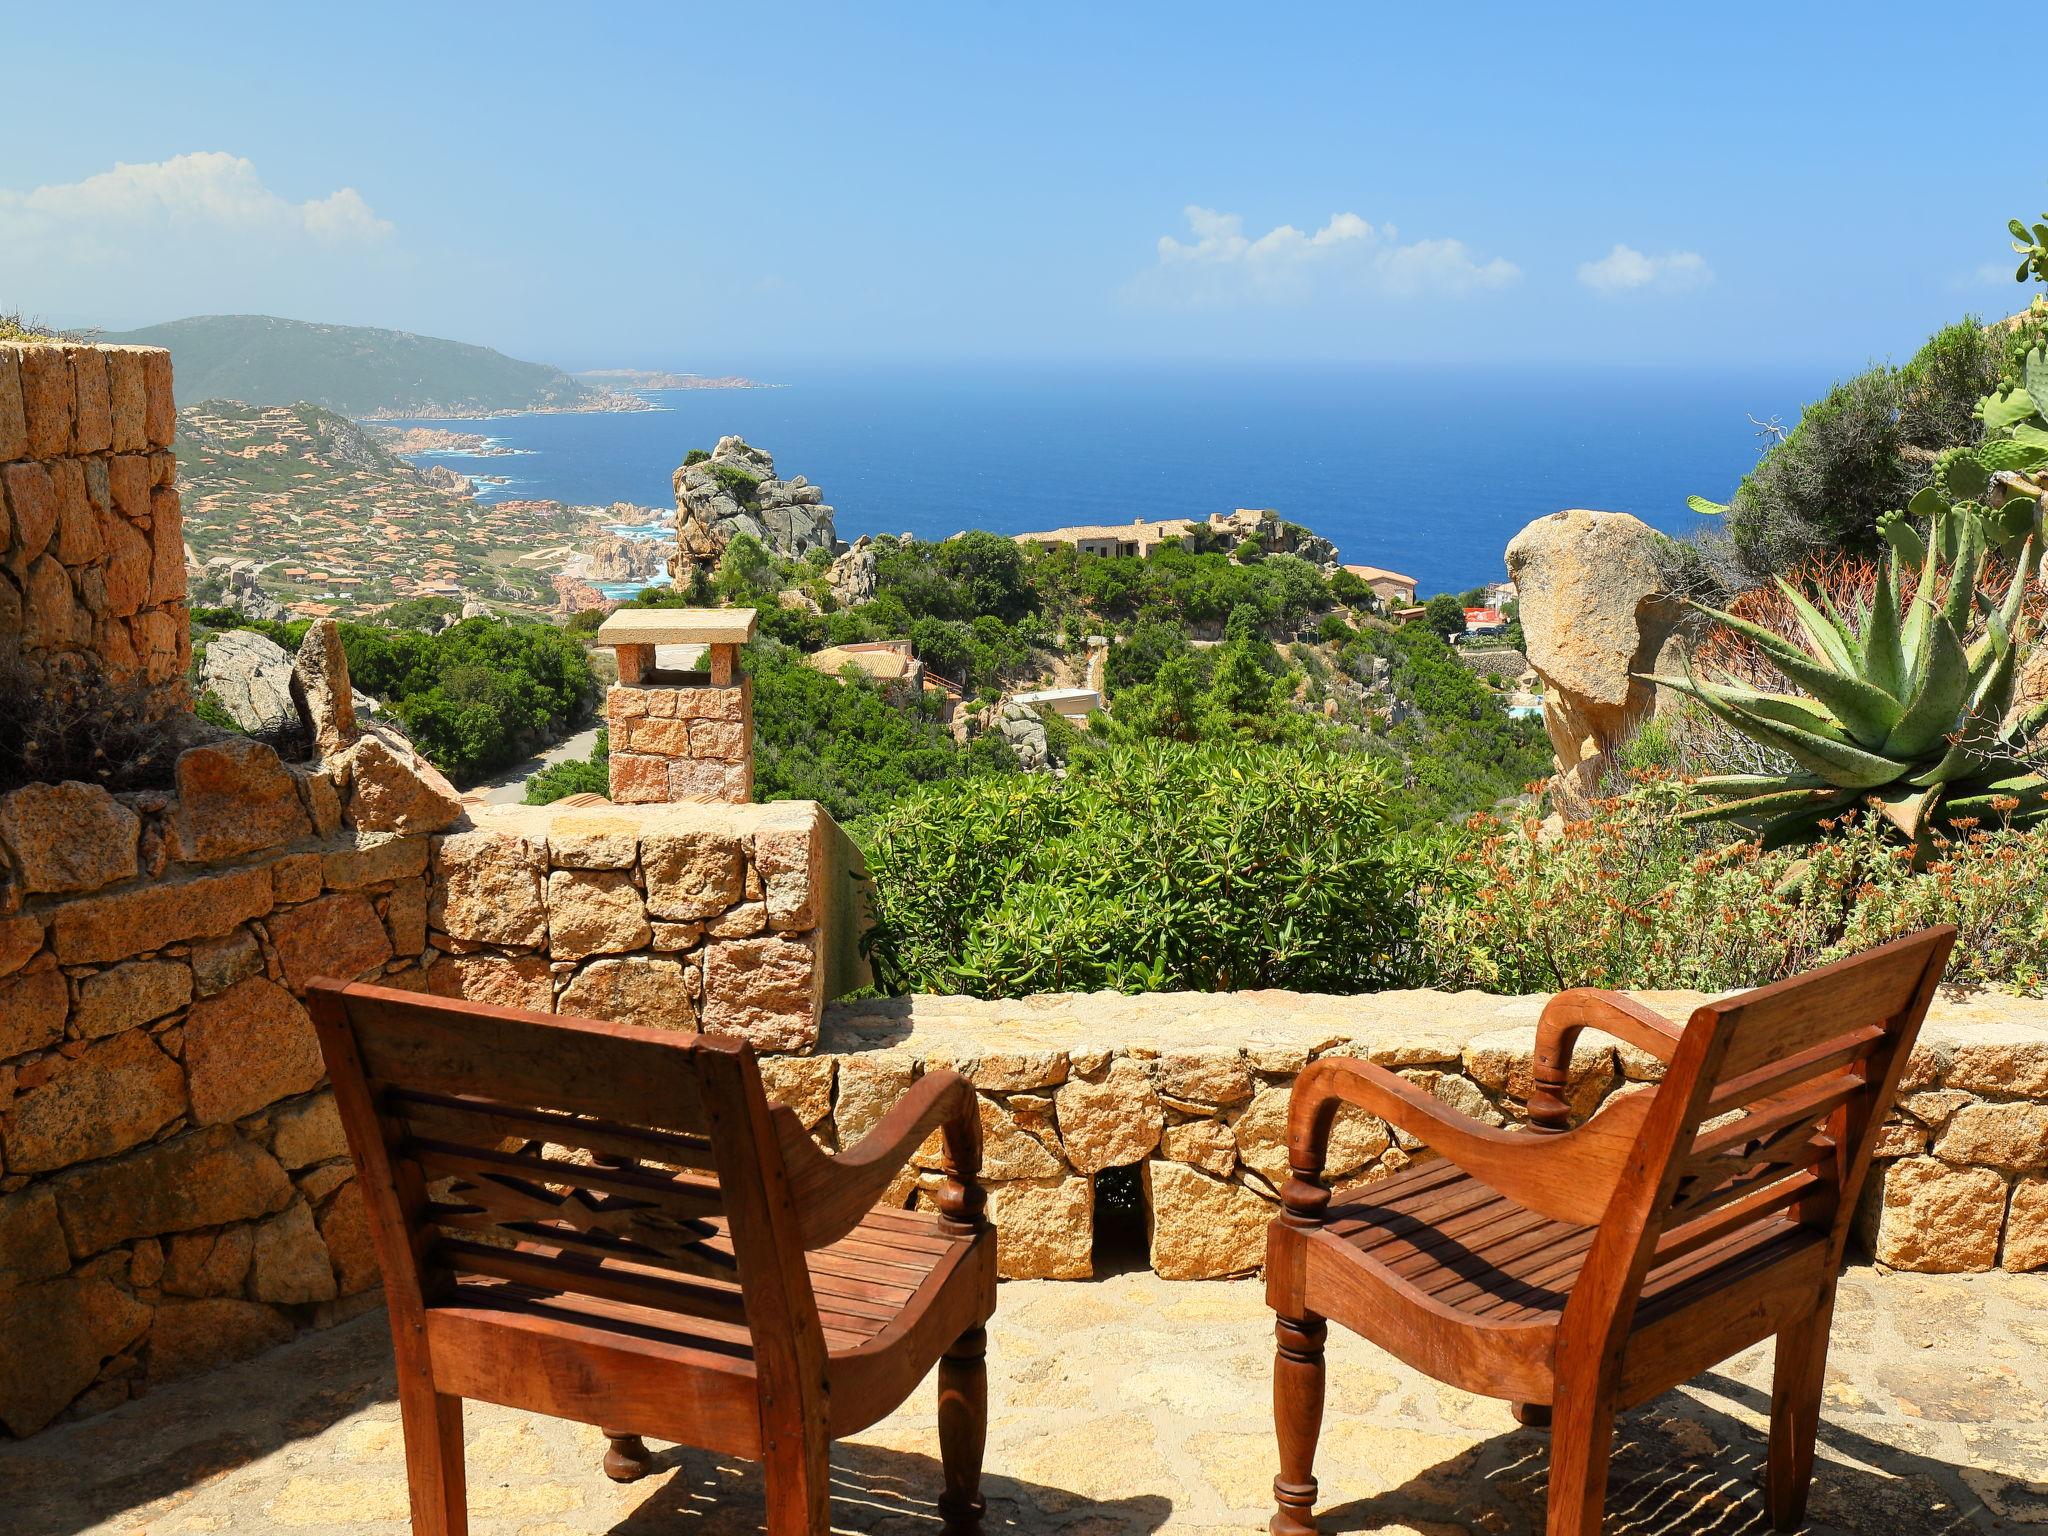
x=1128, y=1404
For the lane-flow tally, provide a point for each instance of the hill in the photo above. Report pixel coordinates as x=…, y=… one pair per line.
x=359, y=370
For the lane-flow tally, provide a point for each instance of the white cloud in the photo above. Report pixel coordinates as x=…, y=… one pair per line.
x=1221, y=264
x=199, y=231
x=1628, y=270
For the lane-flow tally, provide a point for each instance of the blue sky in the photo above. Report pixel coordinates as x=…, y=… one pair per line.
x=760, y=186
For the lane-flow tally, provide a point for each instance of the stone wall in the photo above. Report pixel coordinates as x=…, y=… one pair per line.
x=743, y=919
x=92, y=548
x=1191, y=1092
x=682, y=743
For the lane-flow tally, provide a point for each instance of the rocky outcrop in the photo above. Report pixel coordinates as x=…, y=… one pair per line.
x=1596, y=613
x=440, y=477
x=250, y=676
x=240, y=587
x=736, y=491
x=615, y=557
x=1023, y=732
x=852, y=576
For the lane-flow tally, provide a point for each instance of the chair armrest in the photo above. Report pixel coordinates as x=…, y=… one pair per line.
x=1566, y=1177
x=832, y=1193
x=1557, y=1033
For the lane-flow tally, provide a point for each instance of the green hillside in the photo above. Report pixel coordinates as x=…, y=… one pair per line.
x=357, y=370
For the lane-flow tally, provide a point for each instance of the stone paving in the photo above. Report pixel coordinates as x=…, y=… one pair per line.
x=1127, y=1404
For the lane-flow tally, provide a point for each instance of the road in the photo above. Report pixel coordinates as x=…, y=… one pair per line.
x=509, y=786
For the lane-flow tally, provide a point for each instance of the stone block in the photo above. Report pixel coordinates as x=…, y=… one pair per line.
x=1203, y=1228
x=488, y=887
x=722, y=741
x=504, y=981
x=638, y=779
x=870, y=1083
x=594, y=840
x=32, y=1012
x=1356, y=1138
x=338, y=936
x=31, y=1239
x=47, y=400
x=713, y=703
x=1502, y=1061
x=235, y=797
x=769, y=991
x=128, y=403
x=218, y=964
x=594, y=912
x=1016, y=1071
x=127, y=567
x=405, y=917
x=2003, y=1057
x=803, y=1083
x=77, y=540
x=94, y=1100
x=661, y=738
x=2026, y=1226
x=128, y=492
x=288, y=1263
x=1008, y=1150
x=1938, y=1218
x=167, y=546
x=201, y=1179
x=307, y=1131
x=248, y=1047
x=13, y=425
x=2012, y=1137
x=320, y=676
x=1210, y=1075
x=92, y=411
x=374, y=859
x=1204, y=1144
x=393, y=789
x=31, y=501
x=789, y=853
x=741, y=921
x=208, y=1263
x=20, y=937
x=345, y=1228
x=101, y=928
x=636, y=989
x=51, y=619
x=1045, y=1228
x=127, y=995
x=693, y=871
x=188, y=1337
x=160, y=410
x=296, y=877
x=66, y=1328
x=1110, y=1124
x=69, y=837
x=709, y=783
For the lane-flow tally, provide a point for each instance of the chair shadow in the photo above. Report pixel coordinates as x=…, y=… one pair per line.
x=1682, y=1467
x=876, y=1491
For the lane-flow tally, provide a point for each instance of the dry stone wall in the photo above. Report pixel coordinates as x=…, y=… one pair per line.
x=92, y=547
x=1192, y=1092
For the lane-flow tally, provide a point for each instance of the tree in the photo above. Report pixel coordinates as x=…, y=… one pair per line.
x=1444, y=614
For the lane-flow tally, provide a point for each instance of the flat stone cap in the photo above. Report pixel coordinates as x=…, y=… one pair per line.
x=678, y=626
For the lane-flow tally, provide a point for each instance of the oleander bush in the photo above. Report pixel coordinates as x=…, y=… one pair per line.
x=1150, y=865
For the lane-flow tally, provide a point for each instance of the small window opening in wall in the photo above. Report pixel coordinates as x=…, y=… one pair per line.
x=1123, y=1235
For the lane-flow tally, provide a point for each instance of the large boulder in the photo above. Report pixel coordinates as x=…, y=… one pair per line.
x=736, y=491
x=251, y=677
x=1596, y=611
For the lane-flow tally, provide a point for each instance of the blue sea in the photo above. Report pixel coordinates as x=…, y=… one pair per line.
x=1429, y=472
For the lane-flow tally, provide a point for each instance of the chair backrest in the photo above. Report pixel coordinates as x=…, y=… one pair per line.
x=1770, y=1109
x=601, y=1160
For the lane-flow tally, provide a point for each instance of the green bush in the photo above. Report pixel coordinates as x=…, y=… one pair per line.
x=590, y=775
x=737, y=482
x=695, y=456
x=1149, y=866
x=1444, y=614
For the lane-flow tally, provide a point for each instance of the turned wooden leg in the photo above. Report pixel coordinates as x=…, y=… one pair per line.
x=627, y=1459
x=1796, y=1383
x=1297, y=1420
x=1533, y=1415
x=433, y=1458
x=1581, y=1441
x=963, y=1431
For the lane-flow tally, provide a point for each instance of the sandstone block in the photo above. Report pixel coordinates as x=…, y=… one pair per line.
x=405, y=917
x=594, y=840
x=345, y=1228
x=374, y=859
x=505, y=981
x=208, y=1263
x=51, y=619
x=308, y=1131
x=1356, y=1138
x=188, y=1337
x=623, y=704
x=128, y=995
x=1208, y=1076
x=69, y=836
x=32, y=1012
x=218, y=964
x=709, y=783
x=1045, y=1228
x=321, y=672
x=13, y=425
x=2026, y=1226
x=161, y=642
x=296, y=877
x=128, y=489
x=488, y=887
x=394, y=789
x=32, y=509
x=637, y=779
x=768, y=991
x=594, y=912
x=248, y=1047
x=804, y=1083
x=114, y=927
x=66, y=1327
x=47, y=400
x=160, y=414
x=1008, y=1151
x=1202, y=1227
x=127, y=568
x=77, y=540
x=201, y=1179
x=870, y=1083
x=20, y=937
x=1110, y=1124
x=1940, y=1219
x=95, y=1100
x=235, y=797
x=1502, y=1062
x=167, y=546
x=692, y=871
x=128, y=404
x=634, y=990
x=741, y=921
x=1204, y=1144
x=288, y=1261
x=662, y=738
x=1016, y=1071
x=674, y=936
x=2013, y=1137
x=339, y=936
x=31, y=1240
x=712, y=703
x=2001, y=1057
x=92, y=416
x=789, y=852
x=722, y=741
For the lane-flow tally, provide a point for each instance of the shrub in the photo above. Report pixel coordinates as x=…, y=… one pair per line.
x=1149, y=866
x=590, y=775
x=1444, y=614
x=737, y=482
x=695, y=456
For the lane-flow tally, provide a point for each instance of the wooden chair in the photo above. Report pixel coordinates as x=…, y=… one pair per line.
x=1576, y=1272
x=615, y=1224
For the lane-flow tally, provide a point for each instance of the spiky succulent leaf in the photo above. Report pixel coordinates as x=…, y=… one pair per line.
x=1908, y=809
x=1969, y=565
x=1778, y=708
x=1743, y=786
x=2028, y=788
x=1940, y=689
x=1828, y=636
x=1771, y=803
x=1841, y=764
x=1866, y=711
x=2024, y=727
x=1884, y=659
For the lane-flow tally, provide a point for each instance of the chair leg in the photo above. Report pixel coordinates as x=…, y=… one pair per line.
x=1531, y=1415
x=433, y=1458
x=1796, y=1383
x=1297, y=1420
x=963, y=1431
x=627, y=1459
x=1581, y=1441
x=799, y=1487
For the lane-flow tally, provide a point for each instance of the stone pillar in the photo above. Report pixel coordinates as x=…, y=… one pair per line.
x=92, y=546
x=680, y=735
